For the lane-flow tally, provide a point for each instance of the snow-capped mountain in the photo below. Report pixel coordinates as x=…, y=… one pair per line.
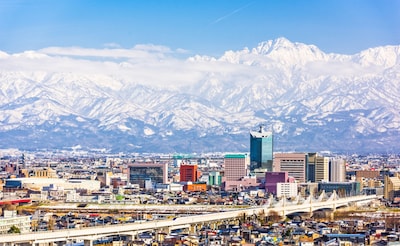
x=142, y=100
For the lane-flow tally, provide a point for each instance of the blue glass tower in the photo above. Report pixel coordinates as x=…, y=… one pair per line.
x=261, y=150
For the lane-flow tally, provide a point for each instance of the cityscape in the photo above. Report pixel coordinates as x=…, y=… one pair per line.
x=261, y=197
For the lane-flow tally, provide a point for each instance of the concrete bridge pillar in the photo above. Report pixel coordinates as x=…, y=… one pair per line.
x=197, y=226
x=166, y=230
x=88, y=242
x=194, y=228
x=332, y=215
x=214, y=225
x=220, y=222
x=133, y=235
x=160, y=236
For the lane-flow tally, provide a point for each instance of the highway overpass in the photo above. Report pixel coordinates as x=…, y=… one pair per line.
x=89, y=234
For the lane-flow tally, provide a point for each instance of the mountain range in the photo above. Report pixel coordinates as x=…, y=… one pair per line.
x=150, y=99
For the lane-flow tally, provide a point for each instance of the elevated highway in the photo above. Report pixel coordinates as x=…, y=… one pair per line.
x=89, y=234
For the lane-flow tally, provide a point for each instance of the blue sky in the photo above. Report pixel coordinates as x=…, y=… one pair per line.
x=200, y=26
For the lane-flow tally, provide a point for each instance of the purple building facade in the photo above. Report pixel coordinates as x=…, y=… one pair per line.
x=272, y=178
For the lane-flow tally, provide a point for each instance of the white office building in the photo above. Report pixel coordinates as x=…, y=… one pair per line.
x=286, y=190
x=23, y=223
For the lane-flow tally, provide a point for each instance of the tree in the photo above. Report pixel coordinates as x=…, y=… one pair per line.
x=14, y=229
x=273, y=216
x=261, y=216
x=320, y=215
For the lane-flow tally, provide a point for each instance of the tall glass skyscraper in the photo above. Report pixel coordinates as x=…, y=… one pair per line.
x=261, y=151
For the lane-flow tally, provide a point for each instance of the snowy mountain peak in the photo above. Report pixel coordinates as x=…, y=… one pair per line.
x=283, y=50
x=280, y=50
x=273, y=45
x=387, y=56
x=312, y=100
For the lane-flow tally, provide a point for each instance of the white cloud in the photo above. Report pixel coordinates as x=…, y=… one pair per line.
x=152, y=48
x=159, y=66
x=100, y=53
x=143, y=64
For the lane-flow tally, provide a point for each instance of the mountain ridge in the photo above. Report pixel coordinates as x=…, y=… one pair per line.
x=311, y=100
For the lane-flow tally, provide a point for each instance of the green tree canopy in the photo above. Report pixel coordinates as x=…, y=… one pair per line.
x=14, y=229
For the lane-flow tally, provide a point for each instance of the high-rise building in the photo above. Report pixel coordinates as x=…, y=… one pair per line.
x=322, y=169
x=392, y=187
x=310, y=167
x=188, y=173
x=148, y=173
x=261, y=151
x=236, y=173
x=337, y=170
x=292, y=163
x=317, y=168
x=236, y=166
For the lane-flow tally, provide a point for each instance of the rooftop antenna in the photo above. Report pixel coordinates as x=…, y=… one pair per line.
x=261, y=128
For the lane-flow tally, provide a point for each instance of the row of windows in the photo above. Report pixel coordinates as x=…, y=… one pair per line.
x=13, y=221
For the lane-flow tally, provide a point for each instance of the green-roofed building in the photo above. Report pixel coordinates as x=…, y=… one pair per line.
x=236, y=166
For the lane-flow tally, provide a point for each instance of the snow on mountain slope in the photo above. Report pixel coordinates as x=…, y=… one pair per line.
x=312, y=100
